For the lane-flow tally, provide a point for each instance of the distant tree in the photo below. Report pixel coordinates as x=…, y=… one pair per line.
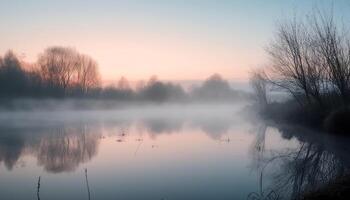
x=34, y=84
x=58, y=65
x=214, y=88
x=13, y=80
x=112, y=92
x=123, y=84
x=87, y=73
x=158, y=91
x=64, y=69
x=140, y=85
x=153, y=79
x=154, y=91
x=259, y=84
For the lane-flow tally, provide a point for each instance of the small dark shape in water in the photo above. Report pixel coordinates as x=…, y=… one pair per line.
x=226, y=140
x=119, y=140
x=339, y=121
x=38, y=189
x=87, y=183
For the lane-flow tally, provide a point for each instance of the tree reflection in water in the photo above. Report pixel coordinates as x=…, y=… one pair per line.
x=306, y=168
x=296, y=170
x=66, y=148
x=57, y=149
x=11, y=148
x=258, y=153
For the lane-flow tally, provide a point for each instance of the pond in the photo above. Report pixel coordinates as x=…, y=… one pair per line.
x=161, y=152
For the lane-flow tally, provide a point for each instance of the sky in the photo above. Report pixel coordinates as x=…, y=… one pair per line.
x=172, y=39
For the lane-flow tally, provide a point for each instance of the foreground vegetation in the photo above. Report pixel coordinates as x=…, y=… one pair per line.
x=336, y=190
x=309, y=60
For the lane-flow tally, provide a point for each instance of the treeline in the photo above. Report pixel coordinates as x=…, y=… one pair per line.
x=58, y=72
x=309, y=59
x=214, y=88
x=62, y=72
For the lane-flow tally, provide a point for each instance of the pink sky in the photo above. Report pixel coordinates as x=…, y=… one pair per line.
x=139, y=55
x=174, y=40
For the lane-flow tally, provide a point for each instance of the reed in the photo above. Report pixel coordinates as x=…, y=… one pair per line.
x=87, y=183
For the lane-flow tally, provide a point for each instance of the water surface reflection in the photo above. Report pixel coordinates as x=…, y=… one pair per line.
x=316, y=160
x=213, y=155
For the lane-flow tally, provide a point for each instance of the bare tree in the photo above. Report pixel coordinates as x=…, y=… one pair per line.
x=65, y=68
x=259, y=85
x=308, y=57
x=87, y=73
x=333, y=45
x=288, y=68
x=58, y=65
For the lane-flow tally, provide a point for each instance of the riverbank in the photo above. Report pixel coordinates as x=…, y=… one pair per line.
x=320, y=167
x=338, y=189
x=326, y=119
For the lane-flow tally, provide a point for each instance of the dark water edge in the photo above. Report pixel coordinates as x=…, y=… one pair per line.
x=313, y=184
x=338, y=189
x=334, y=120
x=320, y=169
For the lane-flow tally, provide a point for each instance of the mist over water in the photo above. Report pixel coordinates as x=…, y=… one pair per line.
x=157, y=151
x=174, y=100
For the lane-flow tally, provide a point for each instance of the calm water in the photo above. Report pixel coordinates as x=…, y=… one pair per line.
x=167, y=152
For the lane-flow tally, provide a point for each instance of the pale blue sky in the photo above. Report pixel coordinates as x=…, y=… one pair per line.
x=174, y=39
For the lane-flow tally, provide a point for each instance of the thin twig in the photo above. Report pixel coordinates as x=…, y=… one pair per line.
x=87, y=183
x=38, y=189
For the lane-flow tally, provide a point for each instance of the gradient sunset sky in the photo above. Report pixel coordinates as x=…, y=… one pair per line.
x=173, y=39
